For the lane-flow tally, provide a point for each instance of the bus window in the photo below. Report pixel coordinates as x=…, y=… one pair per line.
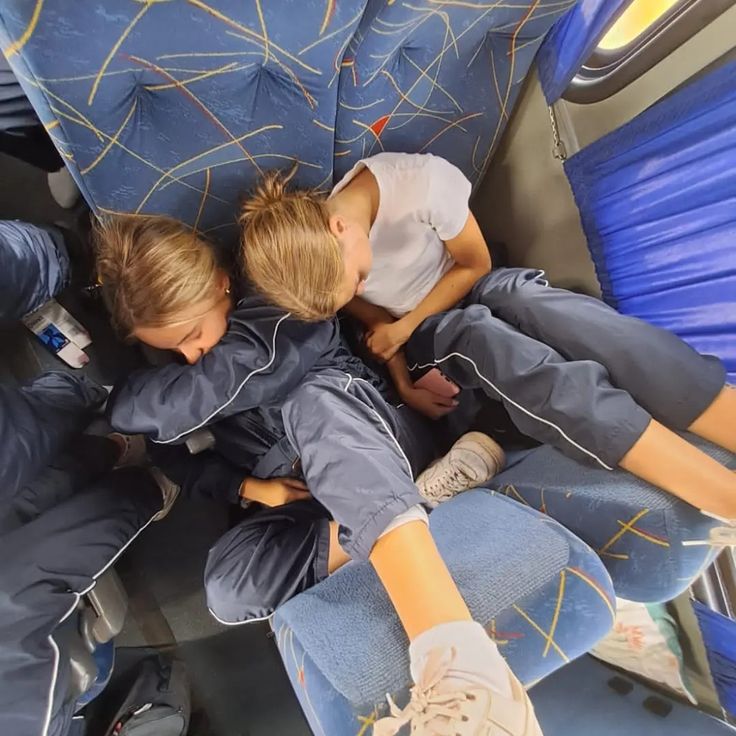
x=642, y=35
x=635, y=20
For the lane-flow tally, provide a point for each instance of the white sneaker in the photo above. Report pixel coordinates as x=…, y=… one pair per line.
x=472, y=461
x=460, y=708
x=169, y=491
x=718, y=537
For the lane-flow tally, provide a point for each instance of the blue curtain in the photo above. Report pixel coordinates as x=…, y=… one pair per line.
x=719, y=637
x=657, y=200
x=570, y=43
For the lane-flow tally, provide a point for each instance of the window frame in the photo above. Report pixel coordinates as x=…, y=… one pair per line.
x=608, y=71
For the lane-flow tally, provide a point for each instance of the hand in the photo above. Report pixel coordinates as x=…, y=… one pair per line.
x=385, y=340
x=275, y=491
x=431, y=405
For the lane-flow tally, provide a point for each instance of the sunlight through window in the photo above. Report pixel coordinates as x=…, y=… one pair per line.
x=634, y=21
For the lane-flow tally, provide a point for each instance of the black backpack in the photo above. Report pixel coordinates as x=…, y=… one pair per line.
x=157, y=702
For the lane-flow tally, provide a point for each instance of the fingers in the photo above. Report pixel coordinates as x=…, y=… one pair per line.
x=299, y=496
x=371, y=349
x=377, y=350
x=443, y=401
x=295, y=483
x=442, y=406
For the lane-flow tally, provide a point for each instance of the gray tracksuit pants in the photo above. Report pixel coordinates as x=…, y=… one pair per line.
x=571, y=371
x=359, y=455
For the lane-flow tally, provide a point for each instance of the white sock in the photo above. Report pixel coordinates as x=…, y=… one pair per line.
x=414, y=513
x=477, y=659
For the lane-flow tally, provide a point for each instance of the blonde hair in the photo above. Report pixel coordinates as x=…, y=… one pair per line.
x=288, y=250
x=150, y=268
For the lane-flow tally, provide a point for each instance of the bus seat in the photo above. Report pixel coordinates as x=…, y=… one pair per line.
x=344, y=649
x=638, y=538
x=444, y=82
x=177, y=108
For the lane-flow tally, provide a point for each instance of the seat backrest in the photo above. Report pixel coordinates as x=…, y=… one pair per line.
x=177, y=107
x=441, y=77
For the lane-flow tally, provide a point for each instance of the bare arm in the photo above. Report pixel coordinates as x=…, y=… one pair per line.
x=472, y=261
x=399, y=372
x=273, y=491
x=369, y=315
x=427, y=403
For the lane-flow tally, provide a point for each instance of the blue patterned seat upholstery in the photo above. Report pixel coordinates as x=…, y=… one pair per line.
x=177, y=107
x=525, y=569
x=436, y=76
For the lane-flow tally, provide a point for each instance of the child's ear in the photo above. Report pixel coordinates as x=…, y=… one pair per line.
x=223, y=282
x=338, y=226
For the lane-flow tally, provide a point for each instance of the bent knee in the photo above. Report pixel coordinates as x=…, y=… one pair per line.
x=234, y=590
x=468, y=321
x=265, y=561
x=512, y=289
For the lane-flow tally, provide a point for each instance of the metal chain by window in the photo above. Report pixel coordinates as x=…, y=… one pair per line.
x=558, y=147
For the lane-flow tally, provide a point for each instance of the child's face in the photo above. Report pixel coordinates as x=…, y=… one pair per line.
x=358, y=259
x=203, y=325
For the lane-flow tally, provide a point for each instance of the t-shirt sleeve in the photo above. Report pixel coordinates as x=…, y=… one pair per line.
x=449, y=195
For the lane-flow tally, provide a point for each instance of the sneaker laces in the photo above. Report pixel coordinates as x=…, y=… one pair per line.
x=445, y=485
x=718, y=536
x=443, y=711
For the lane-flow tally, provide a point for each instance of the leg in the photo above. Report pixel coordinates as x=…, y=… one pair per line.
x=36, y=267
x=718, y=422
x=569, y=404
x=85, y=461
x=548, y=397
x=419, y=587
x=670, y=462
x=339, y=424
x=686, y=393
x=52, y=410
x=361, y=431
x=358, y=454
x=269, y=558
x=663, y=374
x=544, y=604
x=47, y=565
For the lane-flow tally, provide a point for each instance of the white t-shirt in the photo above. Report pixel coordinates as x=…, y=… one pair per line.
x=423, y=202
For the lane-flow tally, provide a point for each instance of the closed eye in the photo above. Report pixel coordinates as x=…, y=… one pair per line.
x=195, y=334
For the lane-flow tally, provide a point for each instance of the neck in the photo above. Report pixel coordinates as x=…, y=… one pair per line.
x=356, y=203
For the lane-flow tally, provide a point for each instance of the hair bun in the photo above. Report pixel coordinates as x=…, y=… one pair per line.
x=270, y=191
